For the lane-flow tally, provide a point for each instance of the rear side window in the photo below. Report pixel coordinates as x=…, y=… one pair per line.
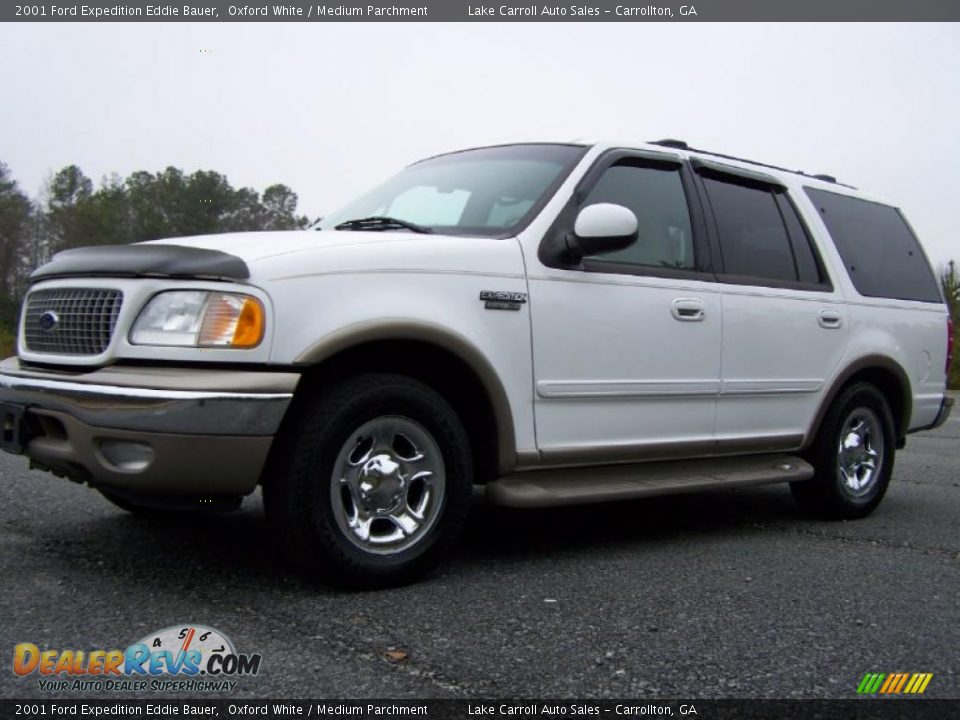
x=753, y=237
x=879, y=250
x=762, y=239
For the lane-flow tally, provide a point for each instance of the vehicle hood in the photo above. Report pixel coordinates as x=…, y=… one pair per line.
x=252, y=247
x=264, y=256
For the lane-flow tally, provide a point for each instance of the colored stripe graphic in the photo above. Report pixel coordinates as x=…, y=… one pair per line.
x=870, y=683
x=901, y=683
x=894, y=683
x=891, y=680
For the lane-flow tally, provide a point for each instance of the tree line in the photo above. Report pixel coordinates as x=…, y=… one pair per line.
x=73, y=212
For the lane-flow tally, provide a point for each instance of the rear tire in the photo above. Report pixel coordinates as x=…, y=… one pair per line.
x=373, y=484
x=852, y=455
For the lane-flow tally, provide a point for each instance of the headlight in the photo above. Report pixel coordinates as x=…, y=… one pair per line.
x=195, y=318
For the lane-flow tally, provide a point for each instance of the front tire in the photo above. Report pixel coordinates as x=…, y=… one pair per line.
x=852, y=455
x=374, y=482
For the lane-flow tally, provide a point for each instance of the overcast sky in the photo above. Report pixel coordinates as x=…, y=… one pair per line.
x=331, y=109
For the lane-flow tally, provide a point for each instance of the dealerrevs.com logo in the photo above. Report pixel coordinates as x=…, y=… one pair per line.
x=189, y=658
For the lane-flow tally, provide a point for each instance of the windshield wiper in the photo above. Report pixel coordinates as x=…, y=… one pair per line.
x=380, y=222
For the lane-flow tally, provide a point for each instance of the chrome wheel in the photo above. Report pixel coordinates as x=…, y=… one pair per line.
x=388, y=485
x=860, y=453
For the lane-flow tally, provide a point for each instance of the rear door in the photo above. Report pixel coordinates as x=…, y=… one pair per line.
x=785, y=326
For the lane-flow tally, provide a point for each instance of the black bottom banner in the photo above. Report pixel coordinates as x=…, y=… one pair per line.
x=882, y=709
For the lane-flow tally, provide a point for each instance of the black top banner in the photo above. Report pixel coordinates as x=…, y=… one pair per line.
x=487, y=11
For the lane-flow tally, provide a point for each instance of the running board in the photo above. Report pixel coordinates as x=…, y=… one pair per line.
x=576, y=486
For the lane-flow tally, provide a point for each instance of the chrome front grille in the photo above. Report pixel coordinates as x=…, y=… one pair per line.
x=71, y=321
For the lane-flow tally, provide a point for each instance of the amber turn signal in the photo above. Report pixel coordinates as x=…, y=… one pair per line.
x=235, y=321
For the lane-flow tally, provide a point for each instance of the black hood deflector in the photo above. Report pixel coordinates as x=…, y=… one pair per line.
x=144, y=260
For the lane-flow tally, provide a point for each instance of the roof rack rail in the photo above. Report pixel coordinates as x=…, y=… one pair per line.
x=669, y=142
x=681, y=145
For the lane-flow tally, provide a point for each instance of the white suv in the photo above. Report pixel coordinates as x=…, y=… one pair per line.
x=563, y=323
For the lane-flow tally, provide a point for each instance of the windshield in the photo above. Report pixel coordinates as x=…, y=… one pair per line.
x=488, y=191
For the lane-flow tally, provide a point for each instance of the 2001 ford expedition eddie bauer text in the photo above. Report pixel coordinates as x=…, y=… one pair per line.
x=563, y=323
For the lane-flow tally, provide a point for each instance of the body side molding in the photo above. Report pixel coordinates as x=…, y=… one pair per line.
x=656, y=389
x=666, y=451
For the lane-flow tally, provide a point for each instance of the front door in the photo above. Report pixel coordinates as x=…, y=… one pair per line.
x=627, y=345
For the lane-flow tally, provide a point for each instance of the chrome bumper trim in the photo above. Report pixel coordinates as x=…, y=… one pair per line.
x=62, y=386
x=189, y=412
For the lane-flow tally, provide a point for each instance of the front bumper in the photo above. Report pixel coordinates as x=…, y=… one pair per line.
x=151, y=430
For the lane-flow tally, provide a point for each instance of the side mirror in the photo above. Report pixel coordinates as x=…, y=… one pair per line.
x=601, y=228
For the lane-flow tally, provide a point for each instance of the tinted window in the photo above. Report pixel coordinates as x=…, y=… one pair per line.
x=807, y=265
x=878, y=249
x=753, y=237
x=657, y=199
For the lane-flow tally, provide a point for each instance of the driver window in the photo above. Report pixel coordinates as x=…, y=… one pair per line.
x=656, y=197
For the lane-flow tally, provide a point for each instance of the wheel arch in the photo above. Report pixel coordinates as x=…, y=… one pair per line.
x=438, y=356
x=890, y=379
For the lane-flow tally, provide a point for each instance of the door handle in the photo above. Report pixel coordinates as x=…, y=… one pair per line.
x=688, y=310
x=830, y=319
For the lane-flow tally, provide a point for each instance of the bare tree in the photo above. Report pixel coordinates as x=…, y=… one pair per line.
x=950, y=284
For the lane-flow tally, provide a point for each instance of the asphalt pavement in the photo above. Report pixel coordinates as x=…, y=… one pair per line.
x=724, y=594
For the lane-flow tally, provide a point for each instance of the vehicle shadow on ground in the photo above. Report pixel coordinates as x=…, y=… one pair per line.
x=493, y=531
x=242, y=545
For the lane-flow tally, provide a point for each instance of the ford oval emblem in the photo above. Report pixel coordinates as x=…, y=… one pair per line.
x=49, y=321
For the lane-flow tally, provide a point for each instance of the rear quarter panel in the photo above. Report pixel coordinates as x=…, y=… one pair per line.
x=912, y=334
x=915, y=336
